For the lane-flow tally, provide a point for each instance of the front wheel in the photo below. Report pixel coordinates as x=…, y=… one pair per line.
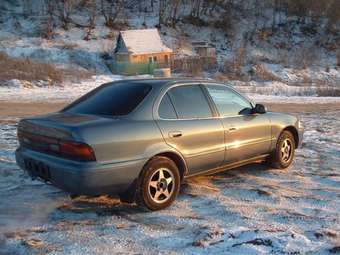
x=158, y=184
x=284, y=152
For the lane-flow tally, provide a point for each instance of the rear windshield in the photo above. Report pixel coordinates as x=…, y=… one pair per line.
x=113, y=99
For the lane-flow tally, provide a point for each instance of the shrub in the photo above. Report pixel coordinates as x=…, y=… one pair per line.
x=233, y=67
x=328, y=92
x=218, y=76
x=305, y=57
x=196, y=21
x=47, y=30
x=261, y=72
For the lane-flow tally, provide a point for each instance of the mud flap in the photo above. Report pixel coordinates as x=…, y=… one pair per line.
x=129, y=196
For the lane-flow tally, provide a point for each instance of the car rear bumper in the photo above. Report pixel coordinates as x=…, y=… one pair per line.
x=81, y=178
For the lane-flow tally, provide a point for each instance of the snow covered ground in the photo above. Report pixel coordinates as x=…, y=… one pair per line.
x=257, y=91
x=69, y=91
x=248, y=210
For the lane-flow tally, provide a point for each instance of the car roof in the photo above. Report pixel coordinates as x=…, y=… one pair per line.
x=166, y=81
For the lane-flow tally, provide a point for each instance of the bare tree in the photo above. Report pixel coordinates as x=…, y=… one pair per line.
x=174, y=7
x=196, y=8
x=161, y=12
x=92, y=20
x=65, y=8
x=111, y=9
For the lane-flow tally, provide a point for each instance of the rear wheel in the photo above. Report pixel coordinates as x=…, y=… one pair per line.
x=158, y=184
x=284, y=152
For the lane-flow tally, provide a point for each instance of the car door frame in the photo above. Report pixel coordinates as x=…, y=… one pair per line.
x=223, y=118
x=215, y=114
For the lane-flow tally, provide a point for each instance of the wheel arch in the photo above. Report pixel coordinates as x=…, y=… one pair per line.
x=176, y=158
x=294, y=132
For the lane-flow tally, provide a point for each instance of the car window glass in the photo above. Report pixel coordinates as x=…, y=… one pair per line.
x=190, y=102
x=166, y=109
x=228, y=102
x=111, y=99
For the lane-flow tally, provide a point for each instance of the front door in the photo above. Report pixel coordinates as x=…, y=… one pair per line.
x=187, y=124
x=246, y=134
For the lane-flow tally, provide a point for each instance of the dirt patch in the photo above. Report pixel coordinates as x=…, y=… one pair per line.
x=18, y=109
x=302, y=108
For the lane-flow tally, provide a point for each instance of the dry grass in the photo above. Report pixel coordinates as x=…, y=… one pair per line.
x=70, y=46
x=305, y=57
x=328, y=92
x=233, y=67
x=218, y=76
x=25, y=69
x=47, y=30
x=261, y=72
x=28, y=70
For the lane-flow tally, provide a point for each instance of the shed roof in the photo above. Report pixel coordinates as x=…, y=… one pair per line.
x=143, y=41
x=202, y=44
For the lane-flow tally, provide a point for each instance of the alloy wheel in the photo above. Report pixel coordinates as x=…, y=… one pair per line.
x=161, y=185
x=286, y=150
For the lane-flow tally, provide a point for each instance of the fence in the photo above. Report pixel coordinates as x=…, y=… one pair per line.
x=194, y=64
x=127, y=68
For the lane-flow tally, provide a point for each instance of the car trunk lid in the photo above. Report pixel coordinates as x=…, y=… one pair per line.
x=54, y=132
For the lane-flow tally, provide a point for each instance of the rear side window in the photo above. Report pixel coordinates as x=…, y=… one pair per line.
x=112, y=99
x=190, y=102
x=166, y=109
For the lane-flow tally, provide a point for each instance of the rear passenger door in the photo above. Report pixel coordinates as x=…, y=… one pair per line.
x=188, y=124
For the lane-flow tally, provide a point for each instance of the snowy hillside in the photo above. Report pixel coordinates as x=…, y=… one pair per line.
x=293, y=58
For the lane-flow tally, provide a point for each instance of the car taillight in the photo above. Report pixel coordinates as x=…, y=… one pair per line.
x=75, y=150
x=67, y=149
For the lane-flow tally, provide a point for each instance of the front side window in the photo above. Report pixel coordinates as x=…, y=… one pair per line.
x=190, y=102
x=228, y=102
x=114, y=99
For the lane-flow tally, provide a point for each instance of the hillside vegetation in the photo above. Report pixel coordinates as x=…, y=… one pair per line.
x=284, y=42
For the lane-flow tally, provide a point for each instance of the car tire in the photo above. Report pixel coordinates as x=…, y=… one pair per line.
x=284, y=152
x=158, y=184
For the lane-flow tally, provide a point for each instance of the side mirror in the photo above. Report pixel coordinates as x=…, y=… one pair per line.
x=259, y=108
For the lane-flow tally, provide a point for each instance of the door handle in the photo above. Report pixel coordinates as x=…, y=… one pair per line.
x=175, y=134
x=232, y=129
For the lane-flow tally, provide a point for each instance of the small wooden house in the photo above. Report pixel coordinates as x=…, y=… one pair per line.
x=141, y=49
x=204, y=49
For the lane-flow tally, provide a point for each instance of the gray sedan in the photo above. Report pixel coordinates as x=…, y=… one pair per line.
x=140, y=139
